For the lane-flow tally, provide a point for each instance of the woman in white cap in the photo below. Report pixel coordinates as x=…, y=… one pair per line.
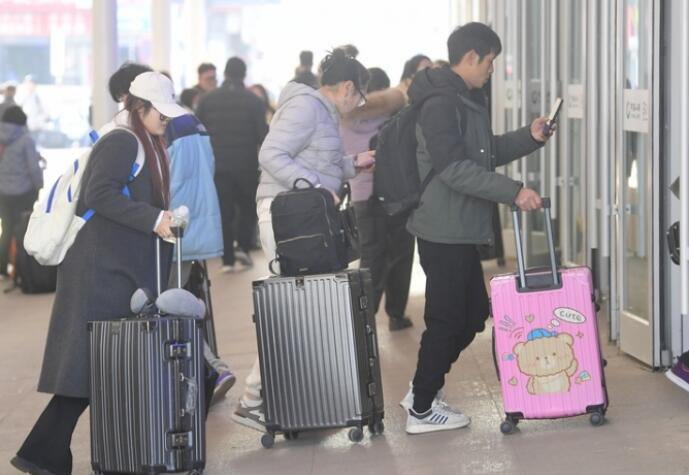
x=112, y=256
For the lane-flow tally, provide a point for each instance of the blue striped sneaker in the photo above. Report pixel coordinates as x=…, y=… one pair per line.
x=437, y=418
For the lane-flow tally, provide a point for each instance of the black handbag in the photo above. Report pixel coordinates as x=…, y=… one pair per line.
x=309, y=234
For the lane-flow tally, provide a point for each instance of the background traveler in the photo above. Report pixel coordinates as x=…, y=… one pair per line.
x=304, y=142
x=236, y=121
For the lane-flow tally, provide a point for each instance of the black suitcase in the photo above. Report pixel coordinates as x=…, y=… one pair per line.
x=30, y=276
x=318, y=353
x=199, y=284
x=148, y=399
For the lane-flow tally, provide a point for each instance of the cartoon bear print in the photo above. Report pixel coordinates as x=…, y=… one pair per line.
x=548, y=359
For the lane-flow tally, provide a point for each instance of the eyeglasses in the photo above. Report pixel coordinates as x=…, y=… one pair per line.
x=362, y=101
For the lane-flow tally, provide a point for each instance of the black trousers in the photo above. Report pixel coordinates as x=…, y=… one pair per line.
x=387, y=250
x=11, y=208
x=456, y=310
x=237, y=197
x=48, y=442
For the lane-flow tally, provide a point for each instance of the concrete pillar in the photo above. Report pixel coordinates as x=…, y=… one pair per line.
x=160, y=35
x=465, y=11
x=104, y=53
x=195, y=12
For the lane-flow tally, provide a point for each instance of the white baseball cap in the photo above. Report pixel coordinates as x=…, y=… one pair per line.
x=157, y=89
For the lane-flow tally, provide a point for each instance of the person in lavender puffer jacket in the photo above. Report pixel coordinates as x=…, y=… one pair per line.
x=304, y=142
x=387, y=248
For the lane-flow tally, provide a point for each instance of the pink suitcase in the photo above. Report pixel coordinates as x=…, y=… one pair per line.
x=545, y=340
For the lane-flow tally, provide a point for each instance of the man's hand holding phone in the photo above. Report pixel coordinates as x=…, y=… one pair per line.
x=541, y=131
x=543, y=128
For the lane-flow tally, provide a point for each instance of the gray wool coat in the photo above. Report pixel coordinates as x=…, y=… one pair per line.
x=112, y=256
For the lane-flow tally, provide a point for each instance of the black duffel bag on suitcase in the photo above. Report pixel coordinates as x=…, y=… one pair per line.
x=148, y=400
x=310, y=235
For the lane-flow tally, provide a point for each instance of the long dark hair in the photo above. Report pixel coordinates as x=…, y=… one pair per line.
x=154, y=149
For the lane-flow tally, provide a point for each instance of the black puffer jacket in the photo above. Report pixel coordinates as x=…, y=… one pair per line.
x=236, y=122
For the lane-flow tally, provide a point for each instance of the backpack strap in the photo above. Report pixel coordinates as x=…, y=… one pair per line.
x=133, y=173
x=462, y=125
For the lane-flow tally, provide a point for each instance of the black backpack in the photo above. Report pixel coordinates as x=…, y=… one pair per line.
x=396, y=182
x=309, y=233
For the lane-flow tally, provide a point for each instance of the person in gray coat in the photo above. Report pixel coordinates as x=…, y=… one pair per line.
x=304, y=142
x=20, y=176
x=112, y=256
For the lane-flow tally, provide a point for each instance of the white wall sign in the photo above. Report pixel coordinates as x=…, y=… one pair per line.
x=637, y=110
x=575, y=101
x=513, y=94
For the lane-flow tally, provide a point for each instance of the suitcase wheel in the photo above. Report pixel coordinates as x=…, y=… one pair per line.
x=508, y=425
x=597, y=419
x=196, y=471
x=268, y=440
x=377, y=427
x=356, y=434
x=292, y=435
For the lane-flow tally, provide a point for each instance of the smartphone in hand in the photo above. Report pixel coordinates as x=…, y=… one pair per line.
x=552, y=117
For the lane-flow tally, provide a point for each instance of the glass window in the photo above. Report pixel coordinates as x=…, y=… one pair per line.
x=637, y=164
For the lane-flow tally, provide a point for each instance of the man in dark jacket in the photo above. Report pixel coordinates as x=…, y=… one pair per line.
x=208, y=79
x=303, y=74
x=236, y=121
x=456, y=142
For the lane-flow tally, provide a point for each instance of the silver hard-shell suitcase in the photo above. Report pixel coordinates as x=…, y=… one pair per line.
x=147, y=403
x=318, y=354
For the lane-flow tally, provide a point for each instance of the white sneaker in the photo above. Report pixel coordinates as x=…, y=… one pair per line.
x=248, y=416
x=408, y=401
x=437, y=418
x=227, y=269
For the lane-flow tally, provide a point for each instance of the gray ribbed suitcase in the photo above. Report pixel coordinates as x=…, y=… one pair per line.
x=318, y=354
x=147, y=403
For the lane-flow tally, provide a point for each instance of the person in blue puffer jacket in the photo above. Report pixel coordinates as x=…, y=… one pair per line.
x=192, y=167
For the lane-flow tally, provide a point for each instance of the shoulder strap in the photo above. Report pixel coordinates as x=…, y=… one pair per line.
x=462, y=125
x=133, y=173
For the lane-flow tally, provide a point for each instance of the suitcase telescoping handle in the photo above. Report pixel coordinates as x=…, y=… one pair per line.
x=520, y=249
x=180, y=218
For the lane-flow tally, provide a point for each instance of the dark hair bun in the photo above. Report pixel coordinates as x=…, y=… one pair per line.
x=336, y=57
x=338, y=66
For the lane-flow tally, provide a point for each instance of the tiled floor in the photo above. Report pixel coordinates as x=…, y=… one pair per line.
x=647, y=431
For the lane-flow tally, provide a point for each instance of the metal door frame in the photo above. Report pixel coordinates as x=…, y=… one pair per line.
x=638, y=337
x=565, y=180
